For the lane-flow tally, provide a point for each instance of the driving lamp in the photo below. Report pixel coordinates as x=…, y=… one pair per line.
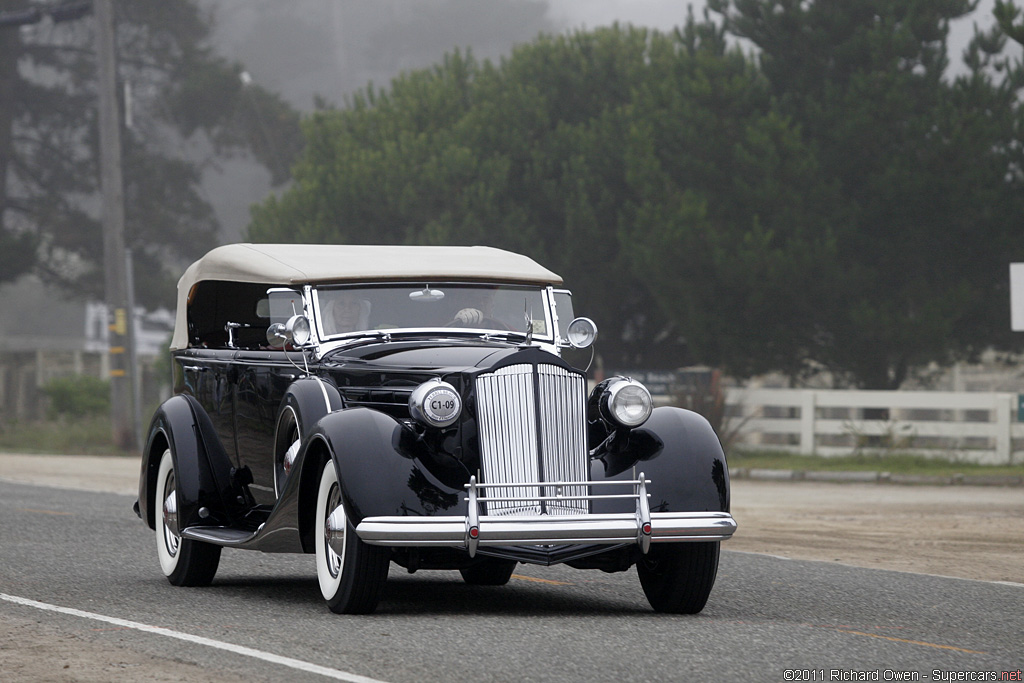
x=297, y=329
x=581, y=332
x=435, y=404
x=627, y=402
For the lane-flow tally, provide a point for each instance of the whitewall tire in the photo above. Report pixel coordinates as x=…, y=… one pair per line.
x=351, y=581
x=184, y=562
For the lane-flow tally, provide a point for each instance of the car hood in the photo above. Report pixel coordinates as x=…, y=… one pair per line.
x=434, y=355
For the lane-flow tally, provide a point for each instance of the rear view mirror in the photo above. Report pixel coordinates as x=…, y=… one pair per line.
x=426, y=294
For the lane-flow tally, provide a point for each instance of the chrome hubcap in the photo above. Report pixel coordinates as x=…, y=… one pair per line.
x=170, y=513
x=289, y=457
x=333, y=558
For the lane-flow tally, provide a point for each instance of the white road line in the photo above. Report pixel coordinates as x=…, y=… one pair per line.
x=199, y=640
x=878, y=569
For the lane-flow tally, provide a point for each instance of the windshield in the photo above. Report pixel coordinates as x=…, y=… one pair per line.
x=344, y=311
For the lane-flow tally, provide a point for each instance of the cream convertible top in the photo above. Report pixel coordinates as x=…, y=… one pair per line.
x=300, y=264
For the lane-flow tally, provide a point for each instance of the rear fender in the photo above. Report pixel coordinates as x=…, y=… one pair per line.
x=202, y=469
x=679, y=452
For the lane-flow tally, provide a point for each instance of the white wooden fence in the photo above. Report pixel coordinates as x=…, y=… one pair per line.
x=971, y=426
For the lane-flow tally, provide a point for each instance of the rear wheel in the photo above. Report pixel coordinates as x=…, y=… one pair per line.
x=490, y=571
x=677, y=577
x=352, y=577
x=184, y=562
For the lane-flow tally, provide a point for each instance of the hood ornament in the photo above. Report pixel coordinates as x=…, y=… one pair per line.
x=529, y=325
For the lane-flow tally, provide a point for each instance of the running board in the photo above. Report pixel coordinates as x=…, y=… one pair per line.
x=219, y=535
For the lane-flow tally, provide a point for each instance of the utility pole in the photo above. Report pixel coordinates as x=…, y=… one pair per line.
x=113, y=229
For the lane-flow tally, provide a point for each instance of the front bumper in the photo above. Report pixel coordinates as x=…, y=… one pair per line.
x=546, y=529
x=474, y=530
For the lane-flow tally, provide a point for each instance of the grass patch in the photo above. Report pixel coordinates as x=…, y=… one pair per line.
x=61, y=436
x=896, y=463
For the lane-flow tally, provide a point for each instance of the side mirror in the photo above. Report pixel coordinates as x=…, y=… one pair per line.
x=296, y=332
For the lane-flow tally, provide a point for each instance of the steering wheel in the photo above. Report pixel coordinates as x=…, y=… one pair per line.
x=485, y=323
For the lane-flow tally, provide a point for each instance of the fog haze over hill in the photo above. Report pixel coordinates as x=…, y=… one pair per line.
x=314, y=51
x=308, y=49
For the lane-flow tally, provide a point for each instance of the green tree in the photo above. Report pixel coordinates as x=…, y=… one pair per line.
x=730, y=222
x=927, y=169
x=628, y=161
x=182, y=96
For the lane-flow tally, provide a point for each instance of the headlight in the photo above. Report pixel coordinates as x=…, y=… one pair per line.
x=435, y=404
x=627, y=403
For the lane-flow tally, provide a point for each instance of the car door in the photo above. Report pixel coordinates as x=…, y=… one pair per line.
x=263, y=378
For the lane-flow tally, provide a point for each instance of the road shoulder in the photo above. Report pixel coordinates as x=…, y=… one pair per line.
x=971, y=532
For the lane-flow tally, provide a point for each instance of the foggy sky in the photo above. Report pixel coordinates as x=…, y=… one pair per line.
x=304, y=49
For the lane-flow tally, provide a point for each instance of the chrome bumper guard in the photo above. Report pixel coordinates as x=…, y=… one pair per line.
x=642, y=527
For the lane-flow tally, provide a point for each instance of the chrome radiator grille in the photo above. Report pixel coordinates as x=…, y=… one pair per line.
x=531, y=428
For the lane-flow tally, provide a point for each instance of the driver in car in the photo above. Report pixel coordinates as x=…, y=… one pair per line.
x=480, y=309
x=349, y=313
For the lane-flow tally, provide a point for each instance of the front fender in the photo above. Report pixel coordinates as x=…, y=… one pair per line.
x=377, y=465
x=679, y=452
x=202, y=468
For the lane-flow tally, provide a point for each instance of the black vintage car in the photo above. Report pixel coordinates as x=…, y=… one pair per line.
x=378, y=404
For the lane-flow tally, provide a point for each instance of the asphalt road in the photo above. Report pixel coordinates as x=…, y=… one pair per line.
x=87, y=551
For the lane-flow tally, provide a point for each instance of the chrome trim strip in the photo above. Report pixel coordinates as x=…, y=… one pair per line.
x=323, y=390
x=637, y=484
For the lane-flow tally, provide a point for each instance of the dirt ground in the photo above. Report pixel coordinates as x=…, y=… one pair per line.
x=971, y=532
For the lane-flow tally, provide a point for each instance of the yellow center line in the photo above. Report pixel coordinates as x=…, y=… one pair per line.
x=536, y=580
x=914, y=642
x=46, y=512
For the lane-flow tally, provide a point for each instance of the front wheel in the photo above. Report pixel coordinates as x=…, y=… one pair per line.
x=352, y=580
x=677, y=577
x=184, y=562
